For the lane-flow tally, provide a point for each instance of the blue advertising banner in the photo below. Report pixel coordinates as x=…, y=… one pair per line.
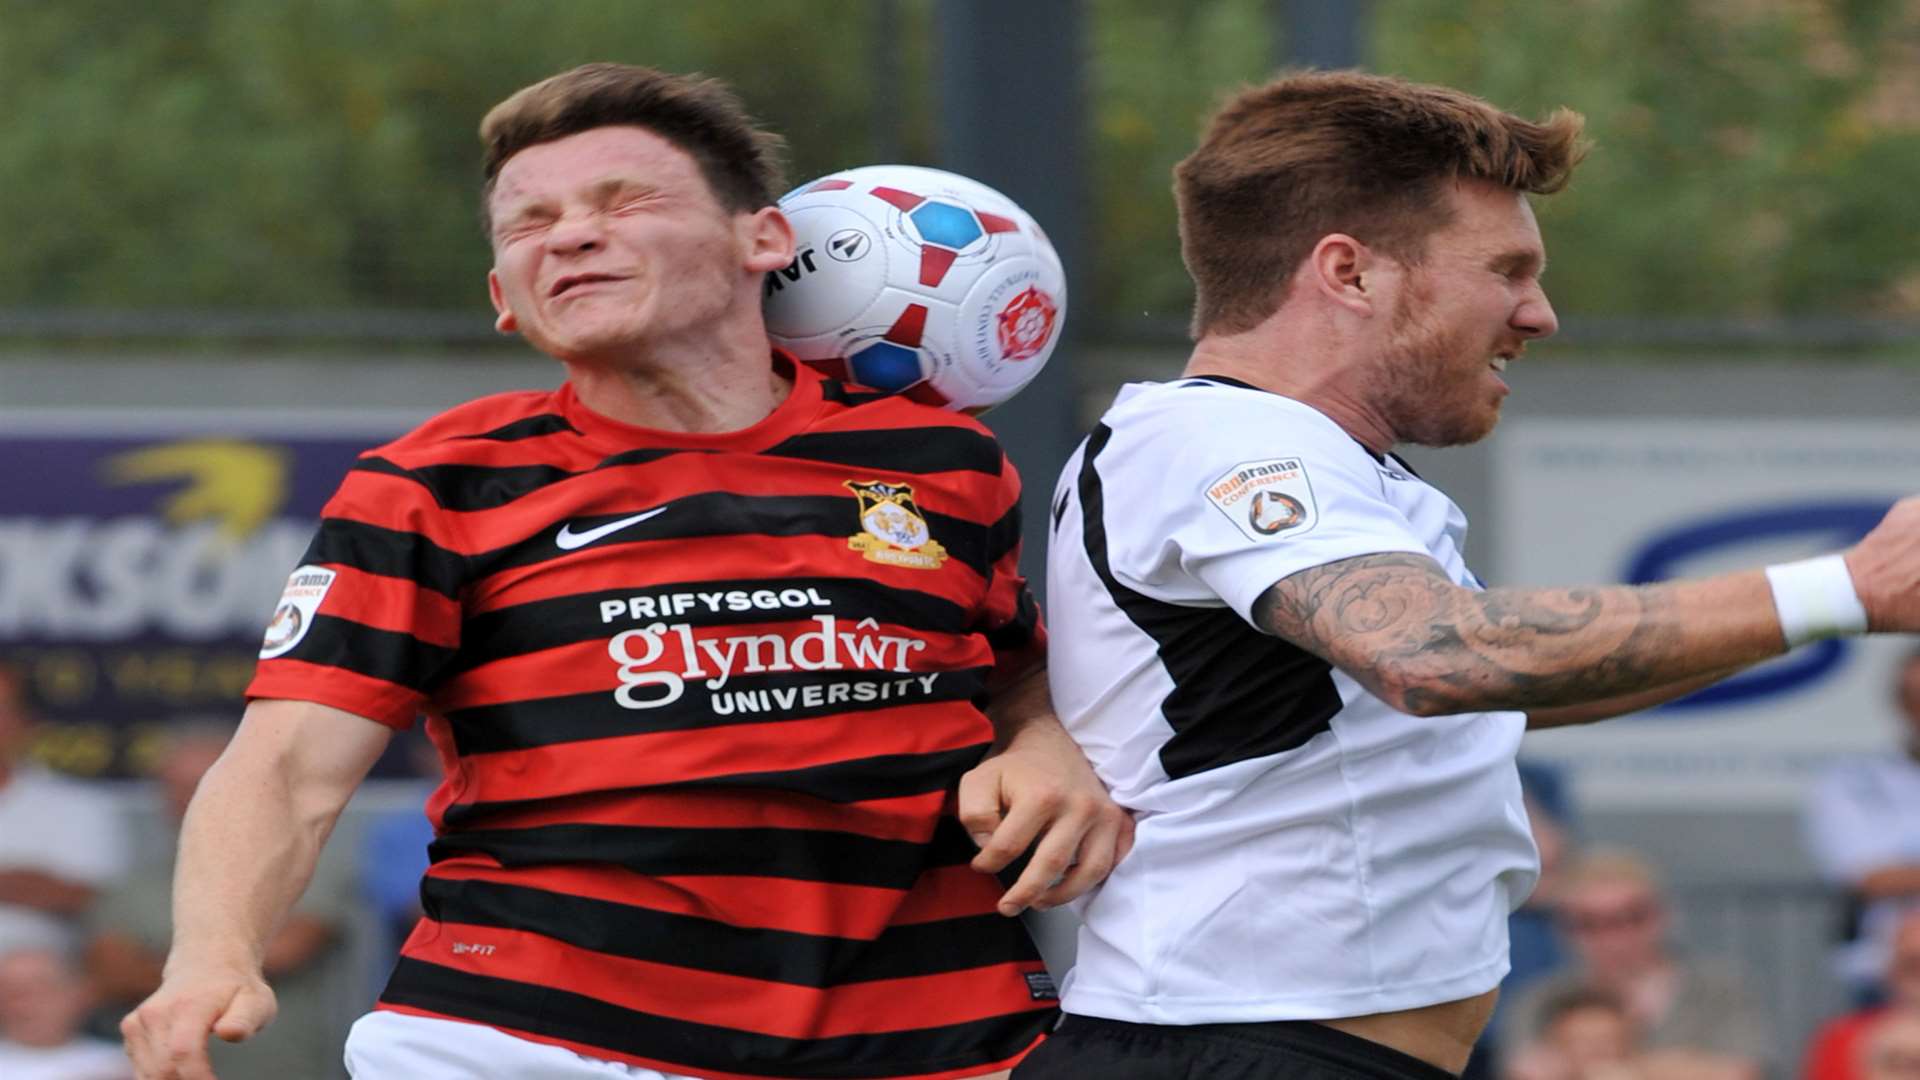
x=141, y=555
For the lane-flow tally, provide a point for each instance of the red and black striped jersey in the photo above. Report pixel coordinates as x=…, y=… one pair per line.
x=702, y=701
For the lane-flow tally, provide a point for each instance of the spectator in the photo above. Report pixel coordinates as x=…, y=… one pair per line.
x=43, y=1000
x=1585, y=1034
x=1863, y=829
x=60, y=841
x=1616, y=922
x=1835, y=1052
x=307, y=958
x=1534, y=947
x=1891, y=1050
x=1588, y=1034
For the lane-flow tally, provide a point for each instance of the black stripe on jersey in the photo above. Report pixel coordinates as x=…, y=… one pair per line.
x=565, y=620
x=376, y=549
x=589, y=1021
x=380, y=654
x=836, y=391
x=914, y=450
x=721, y=513
x=754, y=699
x=1003, y=536
x=530, y=427
x=489, y=487
x=1019, y=630
x=782, y=956
x=887, y=776
x=1238, y=694
x=799, y=854
x=486, y=487
x=643, y=456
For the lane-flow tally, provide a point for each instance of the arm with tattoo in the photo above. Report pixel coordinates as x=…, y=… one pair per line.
x=1426, y=646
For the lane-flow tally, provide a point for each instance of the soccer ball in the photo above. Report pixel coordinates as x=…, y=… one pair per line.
x=917, y=281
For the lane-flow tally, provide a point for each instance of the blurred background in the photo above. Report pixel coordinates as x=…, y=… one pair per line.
x=239, y=244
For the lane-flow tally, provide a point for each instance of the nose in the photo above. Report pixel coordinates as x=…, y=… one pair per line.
x=575, y=233
x=1534, y=318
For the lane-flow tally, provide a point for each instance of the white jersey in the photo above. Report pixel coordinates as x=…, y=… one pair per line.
x=1304, y=850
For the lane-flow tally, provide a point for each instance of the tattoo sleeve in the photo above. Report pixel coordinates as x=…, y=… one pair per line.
x=1396, y=623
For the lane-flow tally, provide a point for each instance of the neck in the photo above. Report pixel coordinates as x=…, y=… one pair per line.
x=720, y=381
x=700, y=402
x=1315, y=376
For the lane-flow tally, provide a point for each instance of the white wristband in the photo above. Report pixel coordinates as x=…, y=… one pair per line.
x=1815, y=599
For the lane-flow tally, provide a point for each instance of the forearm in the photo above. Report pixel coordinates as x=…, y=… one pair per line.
x=1022, y=708
x=43, y=891
x=247, y=850
x=1607, y=708
x=1430, y=647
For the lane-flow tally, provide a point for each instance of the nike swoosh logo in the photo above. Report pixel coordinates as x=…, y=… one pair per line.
x=569, y=540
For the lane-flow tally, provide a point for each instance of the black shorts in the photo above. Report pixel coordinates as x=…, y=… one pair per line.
x=1087, y=1048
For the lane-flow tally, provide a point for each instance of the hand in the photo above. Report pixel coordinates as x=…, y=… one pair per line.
x=167, y=1034
x=1040, y=787
x=1886, y=570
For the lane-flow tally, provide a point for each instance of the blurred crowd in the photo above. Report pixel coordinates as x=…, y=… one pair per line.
x=1604, y=985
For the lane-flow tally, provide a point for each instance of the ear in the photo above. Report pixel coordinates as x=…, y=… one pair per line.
x=767, y=238
x=504, y=321
x=1349, y=273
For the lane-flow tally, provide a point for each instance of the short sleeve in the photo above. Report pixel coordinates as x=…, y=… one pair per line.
x=1228, y=500
x=1008, y=614
x=372, y=614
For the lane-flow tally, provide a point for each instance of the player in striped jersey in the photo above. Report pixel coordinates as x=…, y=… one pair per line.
x=702, y=638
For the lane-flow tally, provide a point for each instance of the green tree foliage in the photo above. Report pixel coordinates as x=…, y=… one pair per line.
x=1750, y=158
x=322, y=153
x=1753, y=156
x=1155, y=71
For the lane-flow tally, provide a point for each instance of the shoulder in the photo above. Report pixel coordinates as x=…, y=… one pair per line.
x=922, y=437
x=498, y=417
x=1198, y=419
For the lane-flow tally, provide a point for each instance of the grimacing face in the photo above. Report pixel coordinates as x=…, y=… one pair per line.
x=611, y=239
x=1469, y=305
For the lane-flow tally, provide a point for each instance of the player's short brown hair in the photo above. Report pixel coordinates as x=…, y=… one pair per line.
x=702, y=116
x=1308, y=154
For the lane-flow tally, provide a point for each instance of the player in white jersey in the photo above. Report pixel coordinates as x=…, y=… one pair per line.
x=1267, y=639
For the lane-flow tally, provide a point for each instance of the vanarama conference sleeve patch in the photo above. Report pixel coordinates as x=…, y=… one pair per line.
x=1266, y=498
x=294, y=617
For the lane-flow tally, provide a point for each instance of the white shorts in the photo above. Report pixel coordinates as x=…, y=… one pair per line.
x=399, y=1046
x=396, y=1046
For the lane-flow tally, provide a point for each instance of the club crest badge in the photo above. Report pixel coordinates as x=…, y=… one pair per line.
x=892, y=529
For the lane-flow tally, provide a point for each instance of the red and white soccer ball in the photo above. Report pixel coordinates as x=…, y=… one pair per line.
x=918, y=281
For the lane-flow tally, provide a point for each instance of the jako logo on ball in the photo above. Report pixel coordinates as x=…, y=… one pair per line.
x=917, y=281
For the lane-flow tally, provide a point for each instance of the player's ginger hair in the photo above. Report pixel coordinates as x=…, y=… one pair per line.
x=702, y=116
x=1312, y=153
